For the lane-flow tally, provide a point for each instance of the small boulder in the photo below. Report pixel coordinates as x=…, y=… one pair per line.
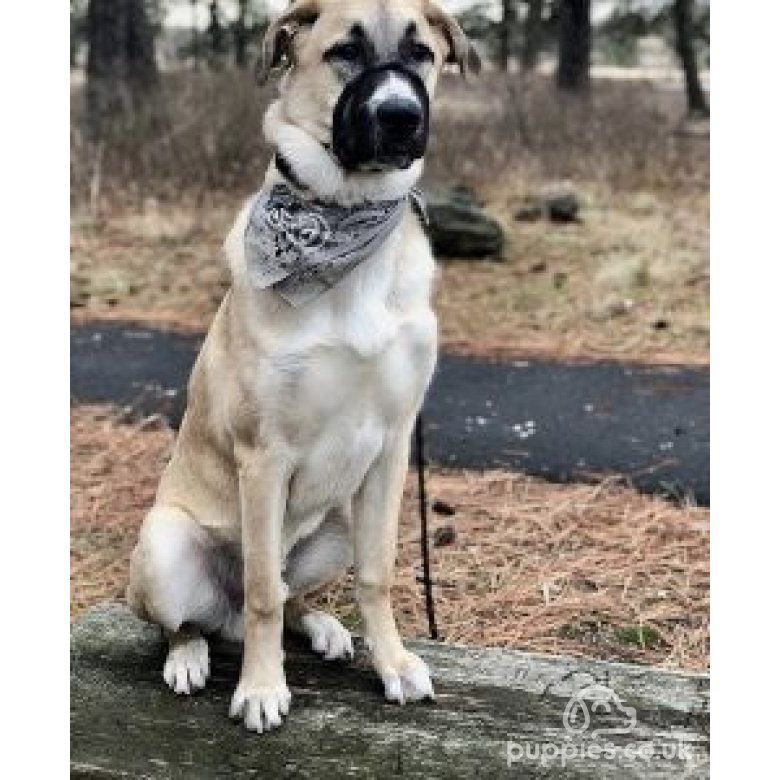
x=560, y=202
x=556, y=202
x=443, y=508
x=460, y=227
x=530, y=211
x=562, y=207
x=444, y=536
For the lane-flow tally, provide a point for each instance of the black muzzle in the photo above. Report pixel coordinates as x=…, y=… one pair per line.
x=381, y=119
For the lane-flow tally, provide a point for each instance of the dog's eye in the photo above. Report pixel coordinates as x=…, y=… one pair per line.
x=344, y=52
x=420, y=53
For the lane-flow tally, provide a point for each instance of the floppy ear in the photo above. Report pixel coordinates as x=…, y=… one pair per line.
x=277, y=43
x=461, y=50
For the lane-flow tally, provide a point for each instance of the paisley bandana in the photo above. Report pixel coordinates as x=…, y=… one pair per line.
x=302, y=248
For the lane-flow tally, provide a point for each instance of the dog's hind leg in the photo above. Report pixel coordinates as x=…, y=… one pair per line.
x=178, y=579
x=187, y=665
x=314, y=562
x=328, y=636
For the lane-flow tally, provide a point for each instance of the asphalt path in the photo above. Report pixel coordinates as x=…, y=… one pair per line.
x=563, y=422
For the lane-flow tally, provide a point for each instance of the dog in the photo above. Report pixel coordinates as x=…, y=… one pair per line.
x=290, y=461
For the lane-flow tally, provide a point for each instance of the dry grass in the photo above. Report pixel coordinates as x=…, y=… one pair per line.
x=162, y=263
x=575, y=569
x=202, y=134
x=630, y=281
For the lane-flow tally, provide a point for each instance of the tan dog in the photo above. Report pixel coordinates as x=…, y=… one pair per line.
x=290, y=462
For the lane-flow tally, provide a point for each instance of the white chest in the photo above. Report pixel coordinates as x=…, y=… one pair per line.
x=339, y=406
x=340, y=399
x=339, y=376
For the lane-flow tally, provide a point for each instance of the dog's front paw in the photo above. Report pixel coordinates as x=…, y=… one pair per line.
x=328, y=637
x=407, y=679
x=260, y=707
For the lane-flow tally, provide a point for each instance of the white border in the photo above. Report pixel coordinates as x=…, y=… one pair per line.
x=34, y=403
x=745, y=429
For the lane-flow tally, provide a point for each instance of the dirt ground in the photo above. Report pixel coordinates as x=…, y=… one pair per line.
x=596, y=570
x=628, y=282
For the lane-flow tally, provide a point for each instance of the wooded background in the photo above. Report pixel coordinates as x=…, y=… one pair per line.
x=120, y=42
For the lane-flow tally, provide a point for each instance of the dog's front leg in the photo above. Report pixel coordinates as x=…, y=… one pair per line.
x=405, y=675
x=262, y=696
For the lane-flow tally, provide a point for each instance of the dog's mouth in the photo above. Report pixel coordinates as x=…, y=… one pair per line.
x=380, y=122
x=387, y=162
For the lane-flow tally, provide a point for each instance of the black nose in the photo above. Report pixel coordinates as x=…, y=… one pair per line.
x=381, y=117
x=399, y=118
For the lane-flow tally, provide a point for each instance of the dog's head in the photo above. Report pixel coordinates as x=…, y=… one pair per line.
x=360, y=75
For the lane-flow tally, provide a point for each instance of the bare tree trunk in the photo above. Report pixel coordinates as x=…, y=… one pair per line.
x=683, y=25
x=121, y=66
x=241, y=34
x=533, y=34
x=574, y=45
x=76, y=31
x=106, y=39
x=141, y=62
x=215, y=31
x=508, y=24
x=195, y=40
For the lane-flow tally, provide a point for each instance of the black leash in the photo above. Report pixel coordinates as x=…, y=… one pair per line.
x=426, y=560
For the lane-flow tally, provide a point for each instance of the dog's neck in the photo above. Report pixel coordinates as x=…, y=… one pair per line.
x=310, y=167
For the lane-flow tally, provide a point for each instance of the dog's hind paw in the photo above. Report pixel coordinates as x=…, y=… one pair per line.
x=261, y=708
x=187, y=666
x=328, y=637
x=409, y=681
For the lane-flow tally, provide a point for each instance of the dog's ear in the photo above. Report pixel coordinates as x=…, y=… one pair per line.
x=277, y=43
x=461, y=51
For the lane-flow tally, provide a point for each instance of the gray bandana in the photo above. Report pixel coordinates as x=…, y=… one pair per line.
x=302, y=248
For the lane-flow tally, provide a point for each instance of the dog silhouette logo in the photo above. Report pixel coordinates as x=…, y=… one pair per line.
x=595, y=705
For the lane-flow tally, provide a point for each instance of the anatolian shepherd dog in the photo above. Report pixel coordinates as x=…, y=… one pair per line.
x=290, y=462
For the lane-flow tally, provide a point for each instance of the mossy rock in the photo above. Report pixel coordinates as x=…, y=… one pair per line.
x=459, y=227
